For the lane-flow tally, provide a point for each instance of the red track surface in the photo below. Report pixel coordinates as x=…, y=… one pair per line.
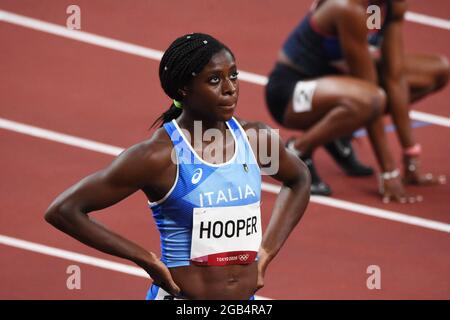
x=112, y=97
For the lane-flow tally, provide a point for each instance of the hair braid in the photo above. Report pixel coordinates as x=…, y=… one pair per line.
x=185, y=58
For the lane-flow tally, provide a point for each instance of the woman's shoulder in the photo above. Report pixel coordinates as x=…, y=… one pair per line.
x=347, y=4
x=159, y=142
x=154, y=152
x=251, y=125
x=340, y=9
x=257, y=130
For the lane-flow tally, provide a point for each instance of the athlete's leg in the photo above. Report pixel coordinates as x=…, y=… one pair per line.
x=340, y=105
x=425, y=74
x=329, y=108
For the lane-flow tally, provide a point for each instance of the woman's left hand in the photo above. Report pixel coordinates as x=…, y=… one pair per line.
x=413, y=175
x=263, y=262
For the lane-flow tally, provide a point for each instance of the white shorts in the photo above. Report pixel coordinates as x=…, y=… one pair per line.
x=303, y=95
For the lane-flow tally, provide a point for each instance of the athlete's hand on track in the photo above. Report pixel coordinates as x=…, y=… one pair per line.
x=161, y=275
x=414, y=177
x=393, y=189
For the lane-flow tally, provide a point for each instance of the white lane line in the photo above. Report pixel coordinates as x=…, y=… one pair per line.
x=59, y=137
x=82, y=36
x=427, y=20
x=382, y=214
x=101, y=41
x=73, y=256
x=370, y=211
x=430, y=118
x=268, y=187
x=78, y=257
x=149, y=53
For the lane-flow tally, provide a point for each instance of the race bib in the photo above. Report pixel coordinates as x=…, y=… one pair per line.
x=226, y=235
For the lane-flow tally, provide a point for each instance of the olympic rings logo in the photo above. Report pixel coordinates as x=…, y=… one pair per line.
x=243, y=257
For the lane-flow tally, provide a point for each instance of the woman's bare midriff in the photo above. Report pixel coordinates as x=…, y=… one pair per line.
x=232, y=282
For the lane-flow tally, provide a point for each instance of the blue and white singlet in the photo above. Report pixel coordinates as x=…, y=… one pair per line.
x=211, y=215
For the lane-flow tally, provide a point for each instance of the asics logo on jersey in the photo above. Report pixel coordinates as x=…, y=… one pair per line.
x=197, y=176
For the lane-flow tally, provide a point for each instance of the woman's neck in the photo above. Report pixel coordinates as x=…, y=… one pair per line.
x=194, y=123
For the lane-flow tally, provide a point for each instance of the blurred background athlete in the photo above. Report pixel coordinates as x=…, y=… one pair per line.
x=332, y=70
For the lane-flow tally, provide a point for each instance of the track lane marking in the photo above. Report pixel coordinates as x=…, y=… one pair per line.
x=78, y=257
x=154, y=54
x=268, y=187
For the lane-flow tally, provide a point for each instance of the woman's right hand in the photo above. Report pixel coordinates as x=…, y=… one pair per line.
x=160, y=274
x=393, y=189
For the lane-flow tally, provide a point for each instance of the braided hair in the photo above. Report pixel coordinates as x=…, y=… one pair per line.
x=184, y=59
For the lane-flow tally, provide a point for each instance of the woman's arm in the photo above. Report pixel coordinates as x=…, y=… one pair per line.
x=129, y=172
x=393, y=79
x=393, y=75
x=292, y=199
x=352, y=31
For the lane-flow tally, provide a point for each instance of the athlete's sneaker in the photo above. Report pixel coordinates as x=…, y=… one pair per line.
x=342, y=152
x=318, y=187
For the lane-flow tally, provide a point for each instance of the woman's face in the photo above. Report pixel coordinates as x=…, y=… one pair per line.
x=212, y=94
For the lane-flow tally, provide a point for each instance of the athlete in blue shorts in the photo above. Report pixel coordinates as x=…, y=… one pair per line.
x=207, y=210
x=334, y=75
